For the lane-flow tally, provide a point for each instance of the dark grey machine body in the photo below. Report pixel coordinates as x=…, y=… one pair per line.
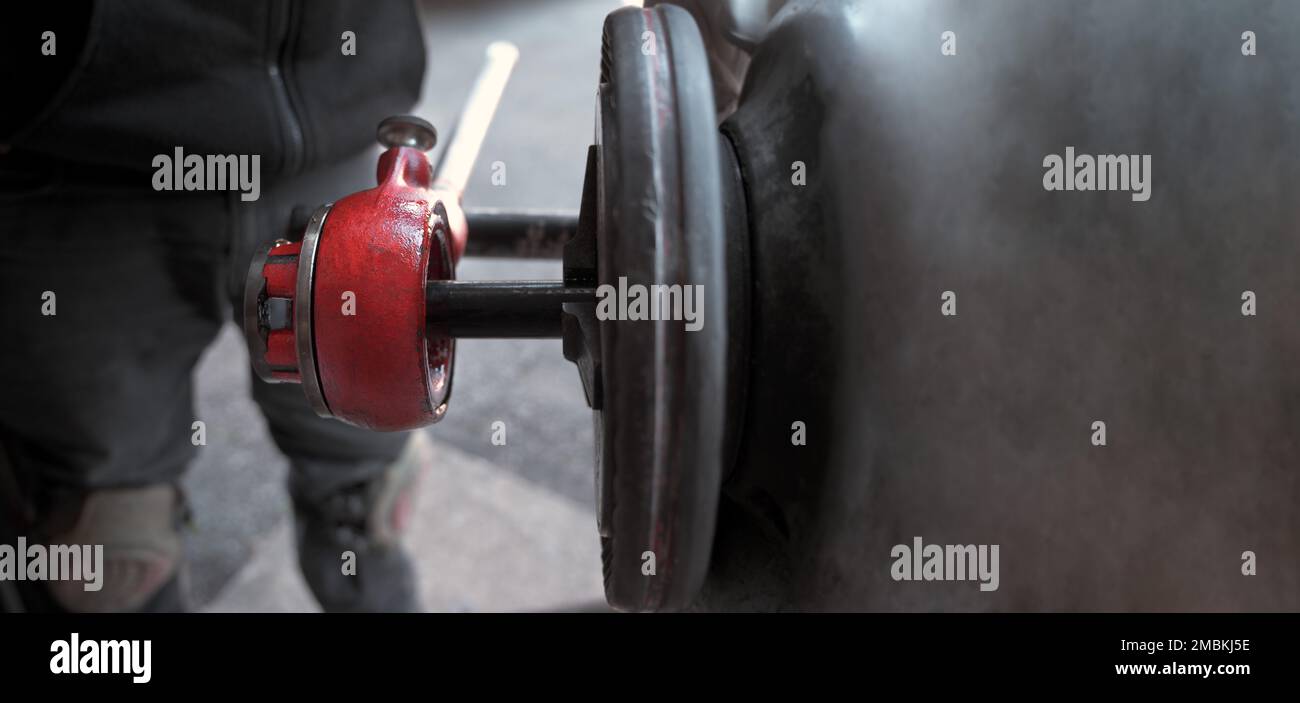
x=924, y=175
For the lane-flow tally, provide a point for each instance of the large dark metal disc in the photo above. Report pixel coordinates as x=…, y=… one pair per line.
x=660, y=222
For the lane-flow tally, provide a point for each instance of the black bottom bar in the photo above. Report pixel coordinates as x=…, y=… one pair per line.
x=976, y=654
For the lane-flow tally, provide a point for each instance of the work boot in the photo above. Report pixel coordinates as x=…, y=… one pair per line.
x=349, y=539
x=140, y=532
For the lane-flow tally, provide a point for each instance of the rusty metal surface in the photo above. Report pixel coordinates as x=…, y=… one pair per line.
x=660, y=221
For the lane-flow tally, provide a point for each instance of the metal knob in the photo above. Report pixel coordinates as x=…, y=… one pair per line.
x=407, y=130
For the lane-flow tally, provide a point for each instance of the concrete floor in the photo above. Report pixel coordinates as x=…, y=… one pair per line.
x=499, y=527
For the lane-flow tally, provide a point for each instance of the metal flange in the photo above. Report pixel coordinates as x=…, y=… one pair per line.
x=660, y=221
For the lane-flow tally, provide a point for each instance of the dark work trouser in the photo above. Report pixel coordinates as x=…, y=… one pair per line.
x=99, y=394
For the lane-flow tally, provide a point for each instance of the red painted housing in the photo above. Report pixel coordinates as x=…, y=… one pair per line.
x=281, y=274
x=377, y=366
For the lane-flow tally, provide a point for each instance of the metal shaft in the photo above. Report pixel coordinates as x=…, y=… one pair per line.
x=457, y=160
x=519, y=234
x=499, y=309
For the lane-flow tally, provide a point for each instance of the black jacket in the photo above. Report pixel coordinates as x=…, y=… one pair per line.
x=136, y=78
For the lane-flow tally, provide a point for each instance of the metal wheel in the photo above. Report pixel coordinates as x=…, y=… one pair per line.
x=660, y=221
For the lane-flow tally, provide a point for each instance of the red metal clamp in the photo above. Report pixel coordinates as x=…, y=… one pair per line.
x=344, y=311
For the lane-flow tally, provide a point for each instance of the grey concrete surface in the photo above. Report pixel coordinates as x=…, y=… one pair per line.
x=543, y=476
x=483, y=540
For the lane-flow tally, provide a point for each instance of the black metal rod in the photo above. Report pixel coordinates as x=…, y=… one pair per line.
x=519, y=234
x=499, y=309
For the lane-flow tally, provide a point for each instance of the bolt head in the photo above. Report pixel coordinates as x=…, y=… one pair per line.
x=407, y=130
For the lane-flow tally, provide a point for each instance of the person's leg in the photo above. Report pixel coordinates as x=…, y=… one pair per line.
x=349, y=486
x=350, y=490
x=107, y=299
